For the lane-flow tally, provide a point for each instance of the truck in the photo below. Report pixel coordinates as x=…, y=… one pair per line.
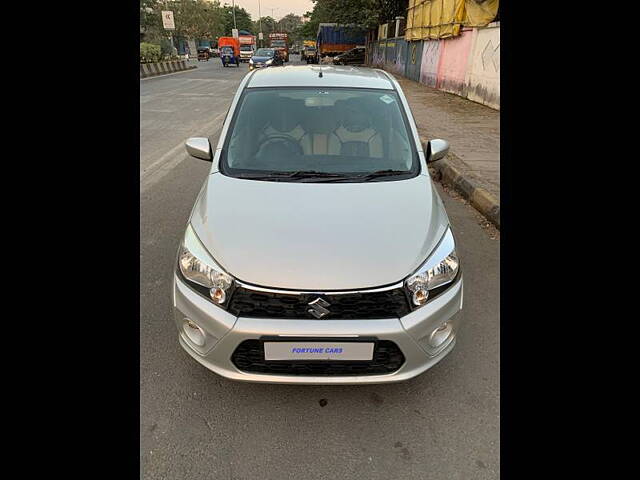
x=247, y=46
x=279, y=41
x=306, y=46
x=232, y=45
x=333, y=38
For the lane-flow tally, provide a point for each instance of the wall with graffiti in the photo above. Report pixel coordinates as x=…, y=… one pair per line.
x=430, y=61
x=483, y=72
x=454, y=58
x=414, y=60
x=467, y=65
x=397, y=56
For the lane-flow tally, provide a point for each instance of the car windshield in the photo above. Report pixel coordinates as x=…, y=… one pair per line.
x=278, y=43
x=226, y=50
x=264, y=52
x=340, y=134
x=246, y=48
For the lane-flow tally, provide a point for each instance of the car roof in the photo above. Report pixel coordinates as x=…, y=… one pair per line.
x=309, y=76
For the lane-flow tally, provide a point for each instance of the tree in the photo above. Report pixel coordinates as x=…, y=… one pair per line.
x=290, y=22
x=194, y=19
x=150, y=21
x=367, y=13
x=268, y=25
x=243, y=19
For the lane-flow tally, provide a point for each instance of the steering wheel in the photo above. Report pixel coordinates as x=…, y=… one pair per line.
x=279, y=145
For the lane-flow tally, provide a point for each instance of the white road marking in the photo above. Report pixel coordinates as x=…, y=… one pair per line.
x=172, y=158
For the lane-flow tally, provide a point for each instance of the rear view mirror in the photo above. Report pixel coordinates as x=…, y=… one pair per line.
x=199, y=147
x=436, y=149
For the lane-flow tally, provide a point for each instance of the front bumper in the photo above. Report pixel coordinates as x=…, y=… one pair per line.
x=224, y=332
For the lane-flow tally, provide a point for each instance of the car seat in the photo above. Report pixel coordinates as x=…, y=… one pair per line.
x=319, y=124
x=356, y=135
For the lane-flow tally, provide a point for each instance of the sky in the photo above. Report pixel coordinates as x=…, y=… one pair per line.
x=280, y=7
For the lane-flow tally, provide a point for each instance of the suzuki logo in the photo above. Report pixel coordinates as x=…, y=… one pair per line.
x=318, y=308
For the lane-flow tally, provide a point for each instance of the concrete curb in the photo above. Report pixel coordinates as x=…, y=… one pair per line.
x=467, y=186
x=163, y=68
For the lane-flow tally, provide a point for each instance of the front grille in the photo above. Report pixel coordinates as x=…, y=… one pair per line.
x=350, y=306
x=249, y=357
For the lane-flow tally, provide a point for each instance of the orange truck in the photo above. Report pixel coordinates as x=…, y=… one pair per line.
x=229, y=50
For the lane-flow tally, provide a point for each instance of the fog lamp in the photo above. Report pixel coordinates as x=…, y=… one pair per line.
x=194, y=332
x=440, y=335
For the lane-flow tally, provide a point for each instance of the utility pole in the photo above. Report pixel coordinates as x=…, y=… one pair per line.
x=274, y=18
x=260, y=22
x=166, y=6
x=233, y=3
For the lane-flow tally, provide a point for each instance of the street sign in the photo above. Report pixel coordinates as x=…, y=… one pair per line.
x=167, y=20
x=260, y=36
x=234, y=32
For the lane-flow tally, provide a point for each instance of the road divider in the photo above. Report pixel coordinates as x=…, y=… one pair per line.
x=163, y=68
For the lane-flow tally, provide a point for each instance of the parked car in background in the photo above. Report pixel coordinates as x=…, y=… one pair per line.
x=355, y=56
x=215, y=52
x=318, y=250
x=203, y=53
x=265, y=57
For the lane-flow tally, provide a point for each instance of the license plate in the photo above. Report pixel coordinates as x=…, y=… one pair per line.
x=318, y=351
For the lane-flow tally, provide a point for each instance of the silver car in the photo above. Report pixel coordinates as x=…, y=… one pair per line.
x=318, y=250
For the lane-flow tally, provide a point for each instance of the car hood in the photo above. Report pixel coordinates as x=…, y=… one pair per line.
x=319, y=236
x=260, y=59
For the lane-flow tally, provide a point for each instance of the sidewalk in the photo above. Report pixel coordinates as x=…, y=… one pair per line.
x=473, y=131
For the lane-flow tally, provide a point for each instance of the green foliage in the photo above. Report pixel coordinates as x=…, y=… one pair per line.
x=243, y=20
x=367, y=13
x=208, y=19
x=166, y=47
x=201, y=19
x=150, y=53
x=268, y=26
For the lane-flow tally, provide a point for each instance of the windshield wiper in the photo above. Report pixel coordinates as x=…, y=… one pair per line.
x=365, y=177
x=295, y=174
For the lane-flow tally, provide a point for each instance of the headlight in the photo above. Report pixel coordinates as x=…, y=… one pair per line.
x=198, y=267
x=269, y=62
x=440, y=269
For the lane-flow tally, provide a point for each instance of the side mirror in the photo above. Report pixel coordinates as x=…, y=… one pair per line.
x=199, y=147
x=436, y=149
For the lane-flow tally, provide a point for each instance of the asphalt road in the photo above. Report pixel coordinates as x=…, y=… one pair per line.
x=443, y=424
